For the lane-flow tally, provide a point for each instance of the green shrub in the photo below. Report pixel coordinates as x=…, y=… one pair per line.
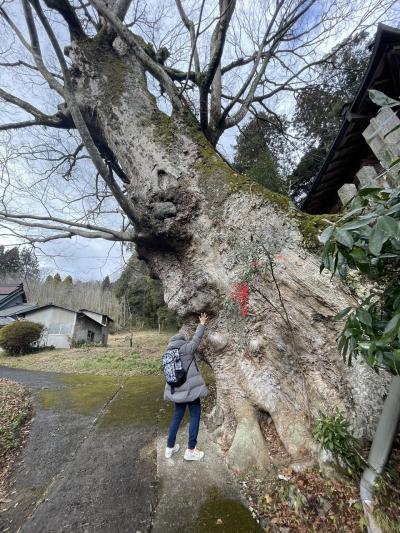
x=332, y=432
x=17, y=338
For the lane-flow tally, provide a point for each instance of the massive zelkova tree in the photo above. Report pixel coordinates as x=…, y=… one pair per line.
x=144, y=93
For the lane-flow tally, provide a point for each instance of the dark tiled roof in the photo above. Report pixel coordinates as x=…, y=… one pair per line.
x=8, y=289
x=10, y=293
x=17, y=309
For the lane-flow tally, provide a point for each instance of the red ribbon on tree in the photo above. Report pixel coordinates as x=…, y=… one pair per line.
x=240, y=294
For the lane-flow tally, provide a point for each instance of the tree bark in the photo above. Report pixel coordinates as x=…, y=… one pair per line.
x=206, y=229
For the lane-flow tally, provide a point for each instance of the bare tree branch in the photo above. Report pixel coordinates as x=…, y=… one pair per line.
x=121, y=8
x=26, y=106
x=80, y=123
x=74, y=228
x=29, y=123
x=180, y=75
x=68, y=14
x=227, y=8
x=15, y=28
x=36, y=51
x=21, y=63
x=212, y=75
x=154, y=68
x=254, y=78
x=41, y=119
x=68, y=232
x=193, y=36
x=84, y=7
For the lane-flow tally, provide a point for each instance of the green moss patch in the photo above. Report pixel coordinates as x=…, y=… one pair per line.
x=221, y=179
x=224, y=515
x=134, y=400
x=164, y=129
x=99, y=52
x=85, y=399
x=311, y=226
x=139, y=402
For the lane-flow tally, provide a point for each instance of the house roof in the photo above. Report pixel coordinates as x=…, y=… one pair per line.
x=8, y=289
x=17, y=309
x=4, y=320
x=51, y=305
x=350, y=148
x=8, y=293
x=38, y=308
x=96, y=312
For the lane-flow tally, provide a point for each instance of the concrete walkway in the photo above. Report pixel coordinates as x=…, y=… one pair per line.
x=93, y=463
x=205, y=492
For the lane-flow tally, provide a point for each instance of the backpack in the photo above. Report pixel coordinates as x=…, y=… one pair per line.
x=175, y=374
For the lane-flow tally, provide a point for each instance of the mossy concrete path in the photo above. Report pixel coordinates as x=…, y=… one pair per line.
x=199, y=496
x=90, y=464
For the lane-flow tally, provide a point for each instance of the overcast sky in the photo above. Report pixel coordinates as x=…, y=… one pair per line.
x=84, y=259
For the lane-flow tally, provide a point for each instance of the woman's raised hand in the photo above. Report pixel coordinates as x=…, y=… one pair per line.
x=203, y=319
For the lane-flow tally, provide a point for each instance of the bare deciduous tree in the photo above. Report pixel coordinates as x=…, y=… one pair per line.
x=144, y=94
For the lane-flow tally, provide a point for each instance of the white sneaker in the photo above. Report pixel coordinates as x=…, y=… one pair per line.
x=170, y=451
x=193, y=455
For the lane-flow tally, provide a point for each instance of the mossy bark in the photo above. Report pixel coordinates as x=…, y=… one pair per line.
x=209, y=229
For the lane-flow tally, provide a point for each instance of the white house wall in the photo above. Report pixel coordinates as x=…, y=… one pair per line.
x=58, y=341
x=59, y=323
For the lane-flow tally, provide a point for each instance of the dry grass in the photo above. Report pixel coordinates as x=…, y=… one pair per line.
x=144, y=357
x=15, y=410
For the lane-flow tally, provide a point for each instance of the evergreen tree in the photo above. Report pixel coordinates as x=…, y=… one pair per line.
x=258, y=148
x=10, y=264
x=143, y=295
x=68, y=280
x=57, y=278
x=49, y=279
x=106, y=284
x=310, y=163
x=318, y=106
x=28, y=265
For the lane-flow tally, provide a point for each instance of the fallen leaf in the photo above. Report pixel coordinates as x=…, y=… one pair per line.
x=267, y=499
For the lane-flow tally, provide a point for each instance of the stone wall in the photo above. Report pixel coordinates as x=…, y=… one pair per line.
x=383, y=137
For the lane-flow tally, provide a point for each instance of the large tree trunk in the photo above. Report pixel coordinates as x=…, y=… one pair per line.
x=205, y=229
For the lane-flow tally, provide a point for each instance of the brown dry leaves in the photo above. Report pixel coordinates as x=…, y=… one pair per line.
x=286, y=501
x=15, y=410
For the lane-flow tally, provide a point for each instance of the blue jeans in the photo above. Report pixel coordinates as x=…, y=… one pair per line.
x=195, y=411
